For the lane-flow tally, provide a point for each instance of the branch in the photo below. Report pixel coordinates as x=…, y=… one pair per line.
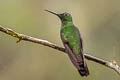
x=110, y=64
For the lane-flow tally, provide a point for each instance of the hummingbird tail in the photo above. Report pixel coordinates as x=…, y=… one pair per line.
x=78, y=61
x=83, y=69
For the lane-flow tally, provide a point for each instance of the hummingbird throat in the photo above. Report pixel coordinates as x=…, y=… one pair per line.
x=67, y=22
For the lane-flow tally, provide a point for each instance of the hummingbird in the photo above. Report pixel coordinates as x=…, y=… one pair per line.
x=72, y=42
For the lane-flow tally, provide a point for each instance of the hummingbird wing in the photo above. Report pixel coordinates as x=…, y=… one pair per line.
x=84, y=69
x=77, y=59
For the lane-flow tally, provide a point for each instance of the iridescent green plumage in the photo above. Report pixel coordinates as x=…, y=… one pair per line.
x=72, y=42
x=70, y=35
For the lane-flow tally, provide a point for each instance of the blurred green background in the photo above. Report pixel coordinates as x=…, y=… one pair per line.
x=98, y=21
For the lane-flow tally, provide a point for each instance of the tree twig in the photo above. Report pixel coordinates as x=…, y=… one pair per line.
x=110, y=64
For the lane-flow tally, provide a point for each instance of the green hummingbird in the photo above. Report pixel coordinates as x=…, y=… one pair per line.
x=72, y=42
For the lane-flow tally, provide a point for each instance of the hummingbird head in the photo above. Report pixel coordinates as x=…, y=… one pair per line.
x=63, y=16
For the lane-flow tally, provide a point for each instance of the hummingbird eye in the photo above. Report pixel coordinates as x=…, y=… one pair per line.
x=66, y=14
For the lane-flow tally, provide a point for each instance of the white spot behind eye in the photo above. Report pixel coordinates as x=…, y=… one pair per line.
x=64, y=14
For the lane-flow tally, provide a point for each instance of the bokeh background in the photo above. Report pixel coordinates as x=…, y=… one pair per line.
x=97, y=20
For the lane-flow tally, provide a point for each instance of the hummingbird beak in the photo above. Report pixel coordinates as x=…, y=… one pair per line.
x=52, y=12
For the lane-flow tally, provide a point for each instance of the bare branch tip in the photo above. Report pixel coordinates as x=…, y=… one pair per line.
x=114, y=62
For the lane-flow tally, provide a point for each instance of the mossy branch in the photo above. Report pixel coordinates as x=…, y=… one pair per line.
x=110, y=64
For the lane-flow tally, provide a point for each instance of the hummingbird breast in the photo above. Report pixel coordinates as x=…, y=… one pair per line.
x=72, y=38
